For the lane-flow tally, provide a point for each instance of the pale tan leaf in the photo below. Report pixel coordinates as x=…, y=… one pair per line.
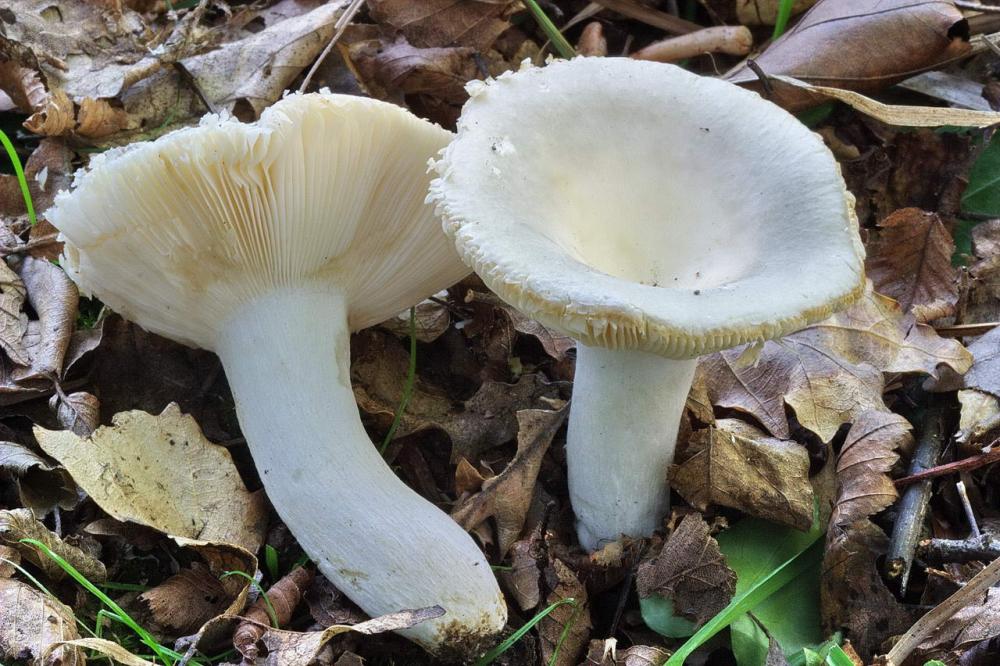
x=97, y=118
x=34, y=626
x=160, y=471
x=111, y=649
x=18, y=524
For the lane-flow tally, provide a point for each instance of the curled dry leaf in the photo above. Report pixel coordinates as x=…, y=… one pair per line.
x=869, y=452
x=79, y=412
x=974, y=623
x=13, y=321
x=41, y=485
x=736, y=465
x=160, y=471
x=186, y=600
x=984, y=375
x=568, y=626
x=292, y=647
x=830, y=372
x=690, y=571
x=433, y=23
x=388, y=69
x=110, y=649
x=911, y=262
x=507, y=496
x=284, y=596
x=18, y=524
x=855, y=45
x=34, y=626
x=55, y=300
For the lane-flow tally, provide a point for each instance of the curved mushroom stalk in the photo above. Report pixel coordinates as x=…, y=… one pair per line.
x=269, y=242
x=622, y=433
x=380, y=543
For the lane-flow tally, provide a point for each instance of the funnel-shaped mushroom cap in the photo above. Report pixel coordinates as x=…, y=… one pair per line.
x=178, y=233
x=635, y=205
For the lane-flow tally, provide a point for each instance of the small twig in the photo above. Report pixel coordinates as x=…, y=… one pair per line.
x=912, y=506
x=963, y=465
x=970, y=515
x=622, y=599
x=764, y=80
x=926, y=625
x=192, y=83
x=981, y=549
x=338, y=29
x=731, y=40
x=962, y=330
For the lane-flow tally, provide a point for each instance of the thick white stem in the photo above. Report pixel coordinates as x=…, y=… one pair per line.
x=287, y=359
x=623, y=425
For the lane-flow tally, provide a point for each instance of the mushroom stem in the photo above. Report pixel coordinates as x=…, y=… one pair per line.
x=287, y=358
x=623, y=425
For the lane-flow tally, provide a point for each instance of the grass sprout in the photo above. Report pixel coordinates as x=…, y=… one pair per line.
x=492, y=655
x=19, y=172
x=271, y=614
x=411, y=376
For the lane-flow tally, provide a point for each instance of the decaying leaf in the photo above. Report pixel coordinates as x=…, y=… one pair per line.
x=431, y=320
x=432, y=23
x=984, y=375
x=18, y=524
x=568, y=626
x=79, y=412
x=507, y=496
x=33, y=625
x=13, y=321
x=186, y=600
x=160, y=471
x=911, y=262
x=606, y=653
x=853, y=44
x=390, y=69
x=830, y=372
x=292, y=647
x=972, y=624
x=523, y=581
x=41, y=485
x=110, y=649
x=55, y=299
x=736, y=465
x=690, y=571
x=868, y=453
x=284, y=597
x=9, y=559
x=852, y=594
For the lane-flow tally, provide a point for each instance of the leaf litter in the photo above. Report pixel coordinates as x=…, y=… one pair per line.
x=821, y=419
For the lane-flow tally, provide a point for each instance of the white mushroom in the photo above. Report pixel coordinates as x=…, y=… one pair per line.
x=269, y=243
x=655, y=216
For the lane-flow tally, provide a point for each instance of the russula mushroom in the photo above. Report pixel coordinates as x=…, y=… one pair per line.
x=654, y=216
x=269, y=243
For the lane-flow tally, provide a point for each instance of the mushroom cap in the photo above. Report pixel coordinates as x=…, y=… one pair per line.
x=635, y=205
x=177, y=234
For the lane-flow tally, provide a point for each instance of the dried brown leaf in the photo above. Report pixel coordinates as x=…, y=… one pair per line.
x=690, y=571
x=911, y=262
x=284, y=596
x=388, y=69
x=568, y=626
x=40, y=484
x=852, y=594
x=829, y=372
x=853, y=44
x=765, y=12
x=507, y=496
x=79, y=412
x=736, y=465
x=97, y=118
x=55, y=300
x=976, y=622
x=433, y=23
x=55, y=117
x=292, y=647
x=431, y=320
x=18, y=524
x=9, y=559
x=524, y=579
x=868, y=453
x=33, y=625
x=160, y=471
x=186, y=600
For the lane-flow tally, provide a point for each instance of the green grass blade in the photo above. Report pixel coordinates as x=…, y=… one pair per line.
x=781, y=22
x=551, y=31
x=271, y=562
x=491, y=656
x=763, y=589
x=267, y=600
x=837, y=657
x=165, y=655
x=19, y=172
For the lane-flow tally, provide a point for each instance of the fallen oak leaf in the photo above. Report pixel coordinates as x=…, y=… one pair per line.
x=832, y=371
x=186, y=600
x=507, y=496
x=36, y=626
x=160, y=471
